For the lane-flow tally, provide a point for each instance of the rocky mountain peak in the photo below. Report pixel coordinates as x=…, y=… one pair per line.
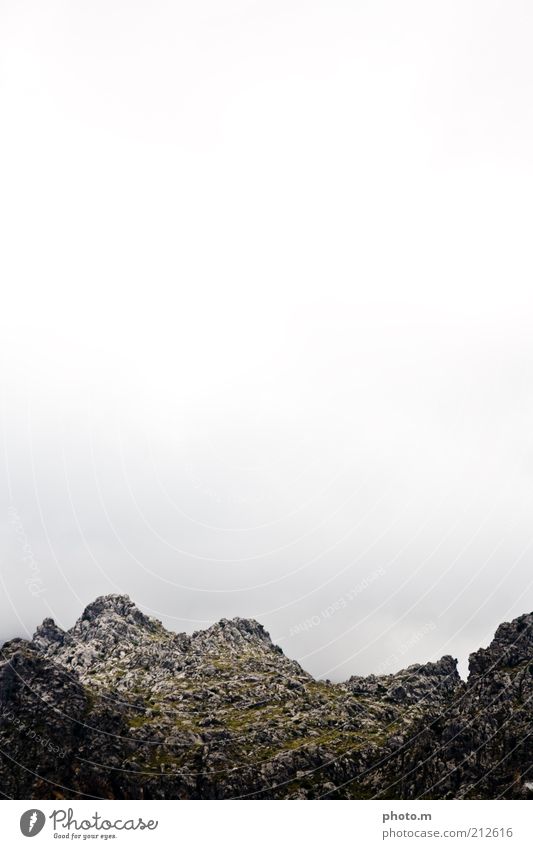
x=236, y=636
x=48, y=635
x=120, y=605
x=435, y=680
x=224, y=714
x=113, y=611
x=512, y=646
x=239, y=628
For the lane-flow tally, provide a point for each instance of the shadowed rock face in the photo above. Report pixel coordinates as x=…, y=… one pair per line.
x=430, y=682
x=119, y=707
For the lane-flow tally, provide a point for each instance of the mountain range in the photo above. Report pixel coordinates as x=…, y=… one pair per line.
x=118, y=707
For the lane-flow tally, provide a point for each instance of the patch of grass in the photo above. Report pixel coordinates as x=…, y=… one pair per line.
x=90, y=702
x=138, y=721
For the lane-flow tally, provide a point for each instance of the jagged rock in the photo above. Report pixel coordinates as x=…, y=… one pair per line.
x=435, y=681
x=510, y=647
x=120, y=707
x=48, y=636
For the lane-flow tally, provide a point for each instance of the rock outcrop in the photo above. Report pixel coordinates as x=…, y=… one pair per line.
x=120, y=707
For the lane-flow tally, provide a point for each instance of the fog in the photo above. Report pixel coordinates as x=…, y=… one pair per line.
x=266, y=322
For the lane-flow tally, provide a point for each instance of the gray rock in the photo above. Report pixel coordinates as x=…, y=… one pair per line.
x=119, y=707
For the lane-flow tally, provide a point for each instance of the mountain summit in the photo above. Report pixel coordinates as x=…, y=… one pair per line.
x=120, y=707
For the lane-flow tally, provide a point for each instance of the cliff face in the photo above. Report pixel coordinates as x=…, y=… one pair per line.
x=119, y=707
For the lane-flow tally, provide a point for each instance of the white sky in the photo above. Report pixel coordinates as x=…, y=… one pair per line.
x=266, y=322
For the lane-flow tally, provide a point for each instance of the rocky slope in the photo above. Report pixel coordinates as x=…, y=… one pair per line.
x=119, y=707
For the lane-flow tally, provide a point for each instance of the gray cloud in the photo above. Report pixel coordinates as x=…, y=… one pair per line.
x=266, y=349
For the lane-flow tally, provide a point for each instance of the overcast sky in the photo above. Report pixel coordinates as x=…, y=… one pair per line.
x=266, y=326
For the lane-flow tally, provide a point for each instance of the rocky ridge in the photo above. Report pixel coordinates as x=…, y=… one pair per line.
x=120, y=707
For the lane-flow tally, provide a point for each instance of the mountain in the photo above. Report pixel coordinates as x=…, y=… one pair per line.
x=118, y=707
